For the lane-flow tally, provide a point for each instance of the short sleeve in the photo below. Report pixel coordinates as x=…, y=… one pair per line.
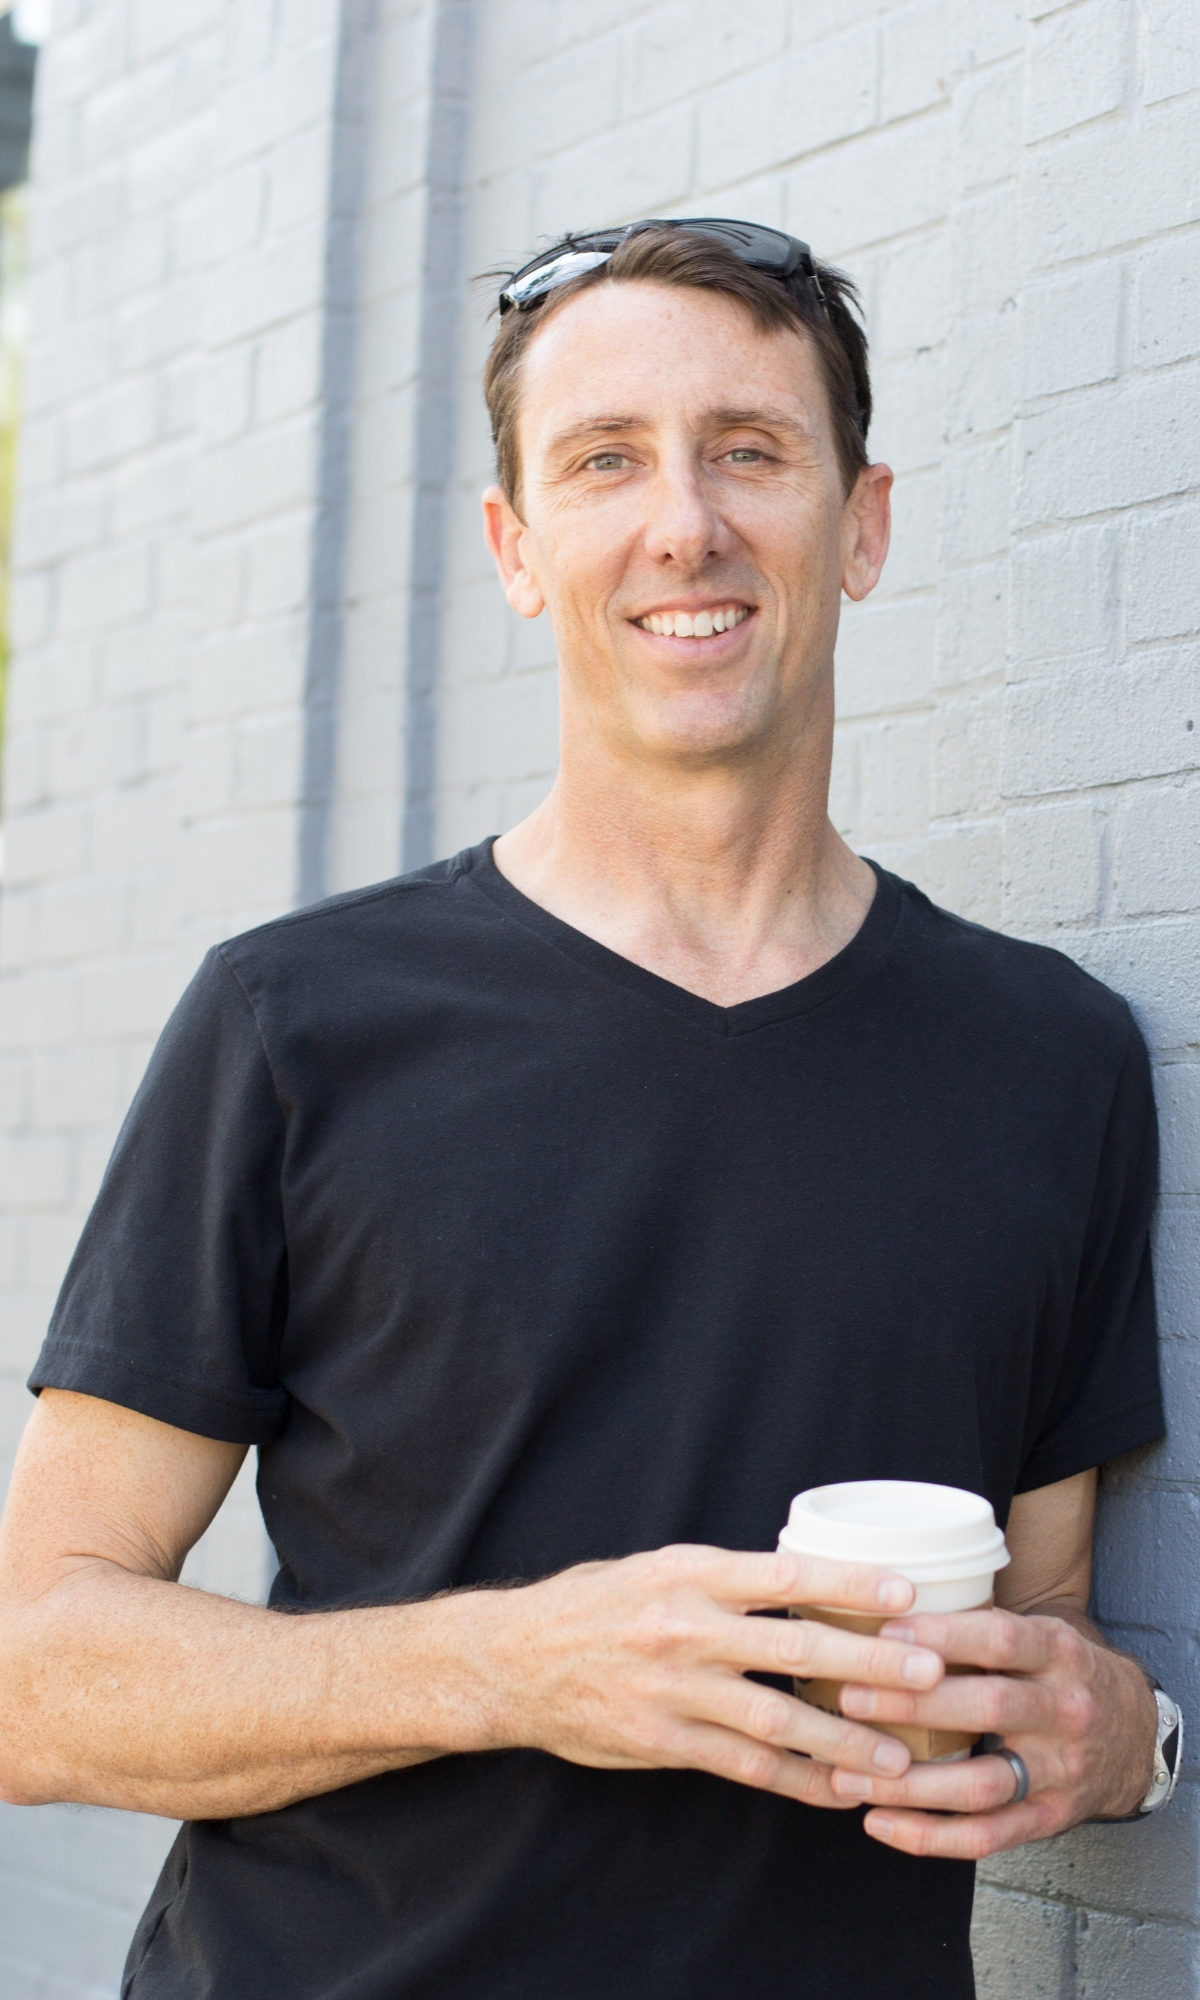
x=174, y=1301
x=1107, y=1397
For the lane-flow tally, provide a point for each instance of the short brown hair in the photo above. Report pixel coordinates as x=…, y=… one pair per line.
x=666, y=256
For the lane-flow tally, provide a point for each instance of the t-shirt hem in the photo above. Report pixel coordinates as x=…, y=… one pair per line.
x=1105, y=1437
x=231, y=1416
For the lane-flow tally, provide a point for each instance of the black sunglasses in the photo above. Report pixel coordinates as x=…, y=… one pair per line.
x=764, y=249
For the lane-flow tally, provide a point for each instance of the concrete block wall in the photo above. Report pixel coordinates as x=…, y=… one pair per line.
x=259, y=650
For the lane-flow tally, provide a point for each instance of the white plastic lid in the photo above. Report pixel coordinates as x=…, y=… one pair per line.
x=930, y=1534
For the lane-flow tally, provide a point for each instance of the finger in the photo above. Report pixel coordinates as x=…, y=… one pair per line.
x=976, y=1785
x=969, y=1839
x=1000, y=1640
x=811, y=1650
x=769, y=1716
x=756, y=1582
x=974, y=1703
x=726, y=1753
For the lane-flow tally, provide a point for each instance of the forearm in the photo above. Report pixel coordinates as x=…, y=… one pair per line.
x=124, y=1690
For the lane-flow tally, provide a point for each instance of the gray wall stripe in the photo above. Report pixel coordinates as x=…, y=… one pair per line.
x=350, y=140
x=441, y=307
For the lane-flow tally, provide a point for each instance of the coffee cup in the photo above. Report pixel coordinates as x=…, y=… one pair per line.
x=942, y=1538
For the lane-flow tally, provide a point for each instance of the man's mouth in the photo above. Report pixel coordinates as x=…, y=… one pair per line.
x=694, y=624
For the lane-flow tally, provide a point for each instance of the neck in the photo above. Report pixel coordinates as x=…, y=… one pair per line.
x=726, y=878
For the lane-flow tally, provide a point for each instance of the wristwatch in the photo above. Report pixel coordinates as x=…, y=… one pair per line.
x=1168, y=1754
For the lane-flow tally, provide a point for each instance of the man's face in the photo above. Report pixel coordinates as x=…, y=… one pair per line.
x=685, y=520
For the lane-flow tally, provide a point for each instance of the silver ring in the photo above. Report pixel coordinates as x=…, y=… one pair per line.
x=1020, y=1771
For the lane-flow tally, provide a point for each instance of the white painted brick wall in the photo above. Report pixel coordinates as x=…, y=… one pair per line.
x=1016, y=184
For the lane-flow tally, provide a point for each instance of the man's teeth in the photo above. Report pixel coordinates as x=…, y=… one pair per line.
x=697, y=625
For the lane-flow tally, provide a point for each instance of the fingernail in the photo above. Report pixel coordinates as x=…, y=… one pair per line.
x=904, y=1634
x=858, y=1700
x=894, y=1594
x=881, y=1826
x=853, y=1785
x=891, y=1757
x=920, y=1667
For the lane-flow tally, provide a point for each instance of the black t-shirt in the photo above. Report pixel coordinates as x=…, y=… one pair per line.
x=509, y=1254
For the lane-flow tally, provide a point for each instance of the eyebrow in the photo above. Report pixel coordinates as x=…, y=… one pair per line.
x=727, y=417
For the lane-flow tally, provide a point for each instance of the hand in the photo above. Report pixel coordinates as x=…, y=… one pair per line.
x=1082, y=1716
x=641, y=1663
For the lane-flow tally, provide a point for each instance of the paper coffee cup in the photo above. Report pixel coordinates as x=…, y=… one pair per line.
x=942, y=1538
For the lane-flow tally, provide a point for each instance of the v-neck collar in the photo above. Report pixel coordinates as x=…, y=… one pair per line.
x=479, y=868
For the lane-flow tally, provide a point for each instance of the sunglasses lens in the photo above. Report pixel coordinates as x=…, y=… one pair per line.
x=529, y=285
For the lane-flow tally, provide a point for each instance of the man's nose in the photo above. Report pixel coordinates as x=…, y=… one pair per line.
x=683, y=523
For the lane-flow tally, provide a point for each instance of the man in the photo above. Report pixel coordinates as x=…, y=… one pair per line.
x=547, y=1219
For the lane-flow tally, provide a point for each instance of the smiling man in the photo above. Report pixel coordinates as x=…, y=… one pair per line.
x=547, y=1219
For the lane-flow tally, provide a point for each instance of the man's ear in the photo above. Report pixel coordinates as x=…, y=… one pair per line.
x=866, y=530
x=505, y=534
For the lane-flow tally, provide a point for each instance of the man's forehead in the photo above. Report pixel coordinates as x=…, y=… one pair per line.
x=625, y=351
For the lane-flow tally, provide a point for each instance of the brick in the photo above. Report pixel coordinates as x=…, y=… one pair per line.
x=1071, y=331
x=1155, y=844
x=1146, y=1871
x=1177, y=1088
x=1179, y=1361
x=976, y=502
x=1118, y=1956
x=894, y=180
x=1171, y=58
x=73, y=1087
x=917, y=297
x=960, y=869
x=984, y=31
x=965, y=755
x=971, y=631
x=987, y=127
x=1074, y=67
x=1065, y=595
x=157, y=28
x=1114, y=447
x=915, y=58
x=912, y=559
x=224, y=216
x=82, y=921
x=980, y=375
x=1021, y=1947
x=269, y=760
x=283, y=98
x=35, y=1170
x=568, y=96
x=885, y=655
x=1167, y=313
x=251, y=478
x=1053, y=866
x=819, y=93
x=272, y=285
x=1102, y=727
x=1177, y=1257
x=640, y=168
x=107, y=589
x=908, y=426
x=691, y=45
x=1112, y=184
x=894, y=779
x=287, y=370
x=298, y=180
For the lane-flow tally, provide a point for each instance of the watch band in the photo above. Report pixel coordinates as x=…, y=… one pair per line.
x=1168, y=1754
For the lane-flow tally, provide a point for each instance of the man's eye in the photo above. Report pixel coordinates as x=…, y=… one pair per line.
x=745, y=454
x=606, y=461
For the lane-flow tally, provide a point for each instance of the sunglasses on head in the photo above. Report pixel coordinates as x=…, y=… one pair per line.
x=765, y=249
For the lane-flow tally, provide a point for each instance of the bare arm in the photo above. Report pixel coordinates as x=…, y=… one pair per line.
x=119, y=1686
